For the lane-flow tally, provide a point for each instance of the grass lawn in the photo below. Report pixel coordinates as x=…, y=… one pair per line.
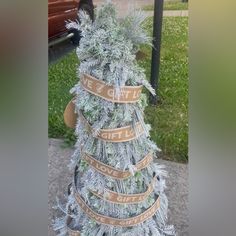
x=169, y=119
x=61, y=78
x=170, y=5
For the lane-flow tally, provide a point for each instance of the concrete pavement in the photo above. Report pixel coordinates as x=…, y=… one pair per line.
x=177, y=185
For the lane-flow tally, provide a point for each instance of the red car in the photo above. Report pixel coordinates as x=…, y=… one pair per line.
x=60, y=11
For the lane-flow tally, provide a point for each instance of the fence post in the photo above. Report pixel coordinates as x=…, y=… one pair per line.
x=155, y=65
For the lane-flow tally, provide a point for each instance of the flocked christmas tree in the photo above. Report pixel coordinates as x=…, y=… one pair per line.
x=117, y=188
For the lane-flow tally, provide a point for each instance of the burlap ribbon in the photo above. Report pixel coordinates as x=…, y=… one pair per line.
x=113, y=172
x=128, y=222
x=129, y=94
x=123, y=134
x=119, y=198
x=116, y=135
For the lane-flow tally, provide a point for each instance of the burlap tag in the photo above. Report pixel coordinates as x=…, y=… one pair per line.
x=70, y=117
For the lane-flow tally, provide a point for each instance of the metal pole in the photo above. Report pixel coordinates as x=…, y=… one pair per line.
x=157, y=29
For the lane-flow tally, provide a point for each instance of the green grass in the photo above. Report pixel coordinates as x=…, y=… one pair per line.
x=62, y=77
x=169, y=119
x=170, y=5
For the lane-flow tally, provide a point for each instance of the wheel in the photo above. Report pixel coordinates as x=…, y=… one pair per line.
x=77, y=36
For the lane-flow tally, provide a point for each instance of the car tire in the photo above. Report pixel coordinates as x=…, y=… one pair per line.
x=77, y=36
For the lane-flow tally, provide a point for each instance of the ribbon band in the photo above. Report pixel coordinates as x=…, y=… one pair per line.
x=119, y=198
x=101, y=219
x=116, y=135
x=113, y=172
x=129, y=94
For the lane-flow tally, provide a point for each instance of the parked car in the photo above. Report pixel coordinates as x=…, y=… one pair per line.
x=60, y=11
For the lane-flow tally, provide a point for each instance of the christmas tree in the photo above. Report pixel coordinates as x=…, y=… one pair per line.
x=117, y=188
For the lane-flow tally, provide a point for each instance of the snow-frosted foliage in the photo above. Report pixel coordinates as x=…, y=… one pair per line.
x=107, y=51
